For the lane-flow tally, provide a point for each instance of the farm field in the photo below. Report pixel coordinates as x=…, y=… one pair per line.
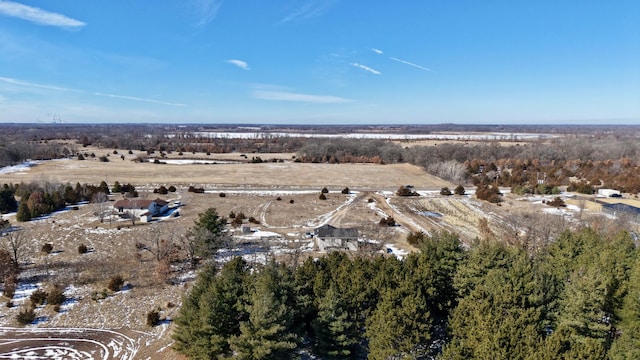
x=265, y=175
x=283, y=198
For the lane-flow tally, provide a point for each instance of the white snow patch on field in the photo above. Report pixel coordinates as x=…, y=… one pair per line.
x=557, y=211
x=24, y=291
x=192, y=161
x=393, y=249
x=20, y=168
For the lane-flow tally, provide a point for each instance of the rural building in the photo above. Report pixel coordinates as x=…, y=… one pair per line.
x=145, y=209
x=609, y=193
x=329, y=238
x=622, y=210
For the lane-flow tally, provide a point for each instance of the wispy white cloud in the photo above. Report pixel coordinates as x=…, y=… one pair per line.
x=206, y=10
x=60, y=88
x=298, y=97
x=309, y=9
x=410, y=64
x=34, y=85
x=38, y=16
x=239, y=63
x=366, y=68
x=133, y=98
x=377, y=51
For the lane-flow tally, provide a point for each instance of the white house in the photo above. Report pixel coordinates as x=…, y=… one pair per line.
x=145, y=209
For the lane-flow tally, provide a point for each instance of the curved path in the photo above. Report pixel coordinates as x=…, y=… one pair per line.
x=66, y=343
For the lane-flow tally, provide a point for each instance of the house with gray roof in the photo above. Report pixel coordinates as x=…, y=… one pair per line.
x=330, y=238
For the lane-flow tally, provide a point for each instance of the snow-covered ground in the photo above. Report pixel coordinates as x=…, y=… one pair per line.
x=20, y=168
x=192, y=161
x=387, y=136
x=393, y=249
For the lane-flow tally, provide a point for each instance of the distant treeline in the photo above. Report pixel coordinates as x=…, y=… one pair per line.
x=598, y=156
x=575, y=298
x=600, y=161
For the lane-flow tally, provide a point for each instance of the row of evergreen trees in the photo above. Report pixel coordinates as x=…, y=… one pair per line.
x=578, y=298
x=37, y=200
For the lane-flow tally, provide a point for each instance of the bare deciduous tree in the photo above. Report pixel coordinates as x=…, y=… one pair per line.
x=162, y=242
x=100, y=200
x=15, y=242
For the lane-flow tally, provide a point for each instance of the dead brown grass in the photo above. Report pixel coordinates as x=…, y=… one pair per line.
x=287, y=175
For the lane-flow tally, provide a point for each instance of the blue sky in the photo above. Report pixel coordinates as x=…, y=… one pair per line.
x=320, y=61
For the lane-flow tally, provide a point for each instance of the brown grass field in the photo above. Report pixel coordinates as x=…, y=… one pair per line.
x=282, y=196
x=285, y=175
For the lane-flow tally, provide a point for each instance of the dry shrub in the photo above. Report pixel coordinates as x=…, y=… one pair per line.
x=38, y=297
x=26, y=316
x=10, y=284
x=47, y=248
x=56, y=295
x=116, y=283
x=415, y=238
x=82, y=249
x=153, y=318
x=388, y=221
x=163, y=271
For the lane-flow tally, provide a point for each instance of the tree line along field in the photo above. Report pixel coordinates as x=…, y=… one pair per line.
x=281, y=193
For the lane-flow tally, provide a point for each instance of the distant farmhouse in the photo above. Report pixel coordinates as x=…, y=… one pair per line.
x=144, y=209
x=609, y=193
x=330, y=238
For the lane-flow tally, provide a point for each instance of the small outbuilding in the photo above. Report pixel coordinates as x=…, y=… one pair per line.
x=609, y=193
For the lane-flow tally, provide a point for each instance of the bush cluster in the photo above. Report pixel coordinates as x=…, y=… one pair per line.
x=47, y=248
x=406, y=191
x=26, y=316
x=82, y=249
x=388, y=221
x=116, y=283
x=195, y=190
x=489, y=193
x=153, y=318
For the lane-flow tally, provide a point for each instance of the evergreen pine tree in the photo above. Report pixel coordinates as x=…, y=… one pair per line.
x=502, y=316
x=267, y=332
x=104, y=188
x=400, y=326
x=24, y=214
x=627, y=345
x=334, y=332
x=212, y=312
x=8, y=201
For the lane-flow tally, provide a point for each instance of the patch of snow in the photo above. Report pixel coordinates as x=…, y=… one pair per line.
x=193, y=161
x=24, y=291
x=496, y=136
x=557, y=211
x=20, y=168
x=430, y=214
x=398, y=253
